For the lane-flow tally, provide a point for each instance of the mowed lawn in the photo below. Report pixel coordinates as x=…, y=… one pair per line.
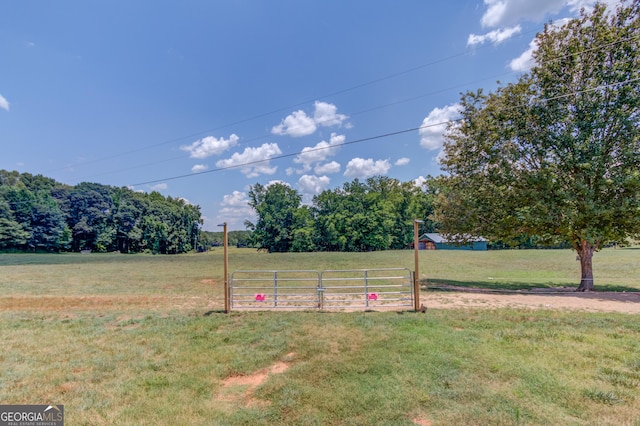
x=141, y=339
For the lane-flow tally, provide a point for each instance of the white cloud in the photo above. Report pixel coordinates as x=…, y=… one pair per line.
x=208, y=146
x=310, y=155
x=361, y=168
x=495, y=36
x=235, y=210
x=312, y=185
x=318, y=153
x=435, y=124
x=419, y=181
x=336, y=139
x=133, y=188
x=235, y=199
x=576, y=5
x=327, y=168
x=326, y=115
x=277, y=181
x=253, y=161
x=508, y=12
x=4, y=103
x=525, y=61
x=402, y=161
x=199, y=168
x=159, y=187
x=298, y=123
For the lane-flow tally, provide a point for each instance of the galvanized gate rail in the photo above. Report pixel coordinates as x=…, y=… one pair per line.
x=274, y=289
x=332, y=289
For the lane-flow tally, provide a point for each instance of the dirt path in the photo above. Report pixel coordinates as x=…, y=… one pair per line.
x=628, y=303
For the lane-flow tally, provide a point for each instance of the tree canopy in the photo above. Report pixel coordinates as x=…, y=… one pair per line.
x=38, y=213
x=376, y=214
x=554, y=156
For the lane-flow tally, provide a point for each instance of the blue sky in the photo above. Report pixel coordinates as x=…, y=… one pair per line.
x=200, y=99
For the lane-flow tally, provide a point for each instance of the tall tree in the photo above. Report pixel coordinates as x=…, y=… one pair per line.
x=555, y=155
x=89, y=208
x=49, y=229
x=39, y=218
x=277, y=207
x=129, y=209
x=12, y=234
x=304, y=232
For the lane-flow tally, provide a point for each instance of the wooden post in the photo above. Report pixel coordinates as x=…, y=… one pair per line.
x=226, y=268
x=416, y=273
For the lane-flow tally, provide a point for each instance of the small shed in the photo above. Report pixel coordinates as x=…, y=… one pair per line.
x=438, y=242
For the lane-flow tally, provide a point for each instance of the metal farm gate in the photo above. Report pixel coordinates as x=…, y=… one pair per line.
x=334, y=289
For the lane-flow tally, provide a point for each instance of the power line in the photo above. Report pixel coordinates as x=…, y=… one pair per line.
x=381, y=136
x=266, y=114
x=349, y=89
x=250, y=163
x=286, y=108
x=413, y=98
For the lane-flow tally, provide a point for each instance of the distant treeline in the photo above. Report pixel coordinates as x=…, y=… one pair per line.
x=234, y=238
x=39, y=214
x=375, y=214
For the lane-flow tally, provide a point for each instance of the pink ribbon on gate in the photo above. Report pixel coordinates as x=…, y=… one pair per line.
x=373, y=296
x=260, y=297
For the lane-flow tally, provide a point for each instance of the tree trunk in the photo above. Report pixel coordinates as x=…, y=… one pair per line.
x=585, y=253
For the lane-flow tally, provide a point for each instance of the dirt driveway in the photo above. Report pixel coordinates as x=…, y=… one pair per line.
x=628, y=303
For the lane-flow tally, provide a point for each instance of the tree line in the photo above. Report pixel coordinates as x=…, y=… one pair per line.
x=376, y=214
x=39, y=214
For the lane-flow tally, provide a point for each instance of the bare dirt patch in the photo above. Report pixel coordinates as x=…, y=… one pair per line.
x=240, y=389
x=98, y=303
x=61, y=303
x=621, y=302
x=465, y=298
x=68, y=387
x=456, y=298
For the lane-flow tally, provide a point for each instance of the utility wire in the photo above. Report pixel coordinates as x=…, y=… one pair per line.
x=250, y=163
x=637, y=37
x=275, y=111
x=413, y=98
x=349, y=89
x=286, y=108
x=381, y=136
x=362, y=111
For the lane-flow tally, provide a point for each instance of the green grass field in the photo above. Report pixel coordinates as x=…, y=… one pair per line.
x=141, y=339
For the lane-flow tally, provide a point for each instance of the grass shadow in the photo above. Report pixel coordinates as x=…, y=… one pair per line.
x=215, y=311
x=516, y=286
x=28, y=259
